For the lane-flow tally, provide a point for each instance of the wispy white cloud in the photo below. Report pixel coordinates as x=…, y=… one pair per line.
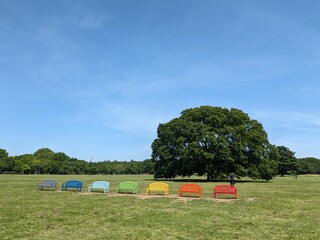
x=288, y=119
x=124, y=116
x=91, y=21
x=308, y=91
x=298, y=131
x=302, y=145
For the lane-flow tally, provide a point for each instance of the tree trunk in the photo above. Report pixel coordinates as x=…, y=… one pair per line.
x=210, y=177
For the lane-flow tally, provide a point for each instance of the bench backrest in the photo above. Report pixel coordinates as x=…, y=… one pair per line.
x=190, y=186
x=225, y=189
x=74, y=183
x=100, y=184
x=49, y=183
x=128, y=185
x=158, y=185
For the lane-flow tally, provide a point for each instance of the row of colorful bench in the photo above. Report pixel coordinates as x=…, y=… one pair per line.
x=132, y=187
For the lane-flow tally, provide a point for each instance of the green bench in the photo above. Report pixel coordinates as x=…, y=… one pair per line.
x=127, y=187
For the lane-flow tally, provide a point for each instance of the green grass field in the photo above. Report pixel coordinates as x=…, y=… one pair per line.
x=283, y=208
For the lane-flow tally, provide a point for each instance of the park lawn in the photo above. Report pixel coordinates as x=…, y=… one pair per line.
x=283, y=208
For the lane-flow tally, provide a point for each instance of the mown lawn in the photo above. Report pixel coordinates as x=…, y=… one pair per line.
x=283, y=208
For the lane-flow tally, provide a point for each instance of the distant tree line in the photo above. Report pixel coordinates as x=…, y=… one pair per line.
x=288, y=164
x=308, y=165
x=45, y=161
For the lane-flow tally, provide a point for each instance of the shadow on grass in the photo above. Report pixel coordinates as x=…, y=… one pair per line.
x=206, y=181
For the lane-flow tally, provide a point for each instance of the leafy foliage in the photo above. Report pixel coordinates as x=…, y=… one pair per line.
x=45, y=161
x=308, y=165
x=287, y=161
x=213, y=141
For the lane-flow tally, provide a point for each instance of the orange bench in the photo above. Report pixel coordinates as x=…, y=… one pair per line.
x=190, y=188
x=225, y=189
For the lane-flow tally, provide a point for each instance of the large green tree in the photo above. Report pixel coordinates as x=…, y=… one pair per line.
x=287, y=161
x=4, y=161
x=42, y=158
x=60, y=163
x=213, y=141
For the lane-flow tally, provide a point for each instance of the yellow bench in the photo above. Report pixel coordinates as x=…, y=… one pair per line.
x=158, y=187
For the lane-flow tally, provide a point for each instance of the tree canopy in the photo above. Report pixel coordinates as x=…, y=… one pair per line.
x=215, y=142
x=287, y=161
x=308, y=165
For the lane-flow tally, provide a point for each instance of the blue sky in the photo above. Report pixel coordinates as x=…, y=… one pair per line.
x=93, y=79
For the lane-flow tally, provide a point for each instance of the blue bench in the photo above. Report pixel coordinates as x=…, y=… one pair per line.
x=99, y=185
x=72, y=184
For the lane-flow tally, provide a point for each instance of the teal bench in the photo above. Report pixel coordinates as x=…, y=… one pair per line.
x=72, y=184
x=99, y=185
x=127, y=187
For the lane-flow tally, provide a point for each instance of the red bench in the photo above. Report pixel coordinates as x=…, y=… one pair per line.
x=190, y=188
x=225, y=189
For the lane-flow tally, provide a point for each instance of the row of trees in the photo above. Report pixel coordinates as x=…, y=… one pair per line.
x=46, y=161
x=289, y=164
